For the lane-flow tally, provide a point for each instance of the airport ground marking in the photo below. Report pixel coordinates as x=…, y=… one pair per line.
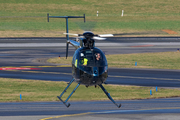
x=18, y=68
x=106, y=112
x=131, y=77
x=70, y=115
x=109, y=75
x=144, y=78
x=48, y=72
x=29, y=67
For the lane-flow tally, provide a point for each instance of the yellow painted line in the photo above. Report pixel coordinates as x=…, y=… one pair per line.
x=48, y=72
x=56, y=66
x=108, y=75
x=71, y=74
x=66, y=66
x=42, y=72
x=143, y=77
x=71, y=115
x=35, y=66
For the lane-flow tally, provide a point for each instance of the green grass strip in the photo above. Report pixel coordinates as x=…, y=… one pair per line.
x=28, y=18
x=36, y=90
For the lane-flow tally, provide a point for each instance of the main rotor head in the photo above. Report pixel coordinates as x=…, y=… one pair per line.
x=90, y=35
x=88, y=38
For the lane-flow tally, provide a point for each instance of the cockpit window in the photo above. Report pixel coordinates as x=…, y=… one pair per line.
x=93, y=57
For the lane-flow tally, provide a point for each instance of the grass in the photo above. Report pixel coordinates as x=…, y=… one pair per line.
x=161, y=60
x=27, y=18
x=35, y=90
x=62, y=60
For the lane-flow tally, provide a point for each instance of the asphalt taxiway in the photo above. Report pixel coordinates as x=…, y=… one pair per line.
x=139, y=77
x=168, y=108
x=25, y=53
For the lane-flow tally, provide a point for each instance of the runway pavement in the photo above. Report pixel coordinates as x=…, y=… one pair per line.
x=139, y=77
x=24, y=52
x=166, y=109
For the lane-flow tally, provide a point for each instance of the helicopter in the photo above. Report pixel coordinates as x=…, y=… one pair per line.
x=89, y=64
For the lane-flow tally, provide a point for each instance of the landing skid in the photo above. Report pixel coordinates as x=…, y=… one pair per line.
x=59, y=97
x=67, y=105
x=108, y=95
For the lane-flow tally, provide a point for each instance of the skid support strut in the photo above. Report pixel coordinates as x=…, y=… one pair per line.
x=108, y=95
x=64, y=102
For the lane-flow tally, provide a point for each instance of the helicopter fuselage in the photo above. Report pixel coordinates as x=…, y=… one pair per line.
x=89, y=66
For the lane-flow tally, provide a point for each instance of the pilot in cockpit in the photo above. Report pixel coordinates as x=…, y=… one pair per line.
x=98, y=56
x=83, y=59
x=98, y=60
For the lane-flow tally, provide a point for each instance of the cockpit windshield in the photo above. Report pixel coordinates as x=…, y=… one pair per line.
x=90, y=61
x=91, y=58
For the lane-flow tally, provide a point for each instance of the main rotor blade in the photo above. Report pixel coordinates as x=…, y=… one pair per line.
x=71, y=34
x=156, y=32
x=106, y=35
x=99, y=38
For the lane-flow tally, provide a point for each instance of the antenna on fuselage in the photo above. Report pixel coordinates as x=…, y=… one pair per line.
x=67, y=31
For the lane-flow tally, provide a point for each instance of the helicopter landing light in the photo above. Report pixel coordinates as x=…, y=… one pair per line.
x=95, y=71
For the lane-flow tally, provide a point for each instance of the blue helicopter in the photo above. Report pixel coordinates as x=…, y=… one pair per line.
x=89, y=64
